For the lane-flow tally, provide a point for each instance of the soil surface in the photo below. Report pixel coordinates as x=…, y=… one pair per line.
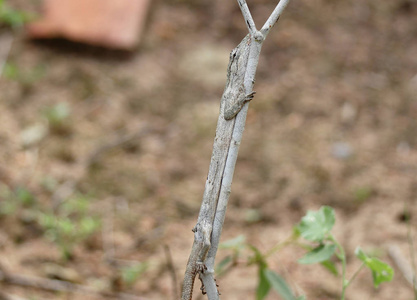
x=104, y=154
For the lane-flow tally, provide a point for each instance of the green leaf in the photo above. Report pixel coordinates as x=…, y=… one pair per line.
x=301, y=297
x=381, y=272
x=315, y=225
x=319, y=254
x=279, y=284
x=263, y=286
x=223, y=263
x=236, y=243
x=329, y=265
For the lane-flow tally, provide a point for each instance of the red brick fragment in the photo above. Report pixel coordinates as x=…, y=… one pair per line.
x=109, y=23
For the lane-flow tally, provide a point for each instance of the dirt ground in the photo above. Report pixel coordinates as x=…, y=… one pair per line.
x=126, y=138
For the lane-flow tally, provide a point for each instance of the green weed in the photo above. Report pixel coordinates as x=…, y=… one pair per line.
x=13, y=18
x=70, y=225
x=315, y=228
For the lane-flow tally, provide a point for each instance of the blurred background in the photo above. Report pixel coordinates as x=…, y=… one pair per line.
x=104, y=152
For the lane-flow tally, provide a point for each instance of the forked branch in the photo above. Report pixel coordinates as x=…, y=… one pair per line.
x=241, y=76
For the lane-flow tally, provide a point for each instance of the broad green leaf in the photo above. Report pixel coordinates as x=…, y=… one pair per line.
x=279, y=285
x=301, y=297
x=381, y=272
x=236, y=243
x=263, y=286
x=329, y=265
x=319, y=254
x=315, y=225
x=223, y=263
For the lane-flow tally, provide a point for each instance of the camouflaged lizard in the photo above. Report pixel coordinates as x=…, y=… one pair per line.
x=233, y=99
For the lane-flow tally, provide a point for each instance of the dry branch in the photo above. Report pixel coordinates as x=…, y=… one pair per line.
x=59, y=286
x=241, y=75
x=402, y=264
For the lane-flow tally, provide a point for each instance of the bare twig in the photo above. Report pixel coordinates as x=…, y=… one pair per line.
x=60, y=286
x=234, y=146
x=241, y=71
x=274, y=17
x=171, y=269
x=118, y=141
x=4, y=296
x=413, y=257
x=403, y=265
x=247, y=16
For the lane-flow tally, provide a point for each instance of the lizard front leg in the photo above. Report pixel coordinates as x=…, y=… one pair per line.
x=232, y=109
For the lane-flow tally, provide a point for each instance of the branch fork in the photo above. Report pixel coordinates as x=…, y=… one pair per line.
x=218, y=185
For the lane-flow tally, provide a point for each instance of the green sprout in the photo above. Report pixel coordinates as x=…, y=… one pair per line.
x=315, y=227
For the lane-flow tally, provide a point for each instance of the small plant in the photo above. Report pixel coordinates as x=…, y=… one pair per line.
x=315, y=227
x=71, y=225
x=12, y=18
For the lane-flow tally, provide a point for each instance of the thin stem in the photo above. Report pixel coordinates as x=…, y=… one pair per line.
x=342, y=256
x=280, y=245
x=413, y=258
x=247, y=16
x=229, y=268
x=354, y=275
x=273, y=18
